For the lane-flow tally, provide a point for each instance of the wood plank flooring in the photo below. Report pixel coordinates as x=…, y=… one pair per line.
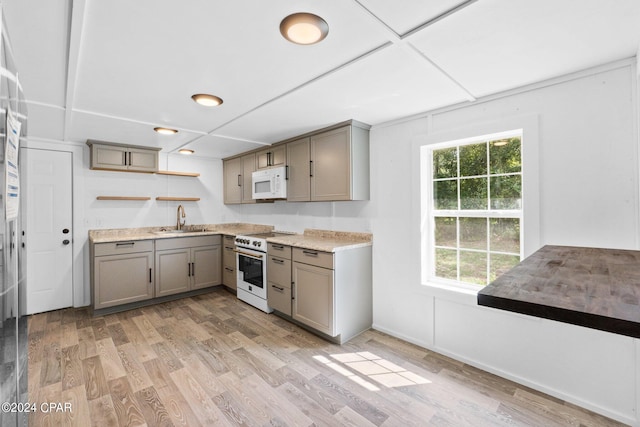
x=212, y=360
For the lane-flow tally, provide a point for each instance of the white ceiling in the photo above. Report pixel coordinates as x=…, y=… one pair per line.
x=113, y=70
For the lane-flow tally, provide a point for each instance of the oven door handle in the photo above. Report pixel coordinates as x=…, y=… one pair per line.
x=248, y=254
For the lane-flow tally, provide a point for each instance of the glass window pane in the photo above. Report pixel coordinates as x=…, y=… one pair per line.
x=445, y=194
x=446, y=264
x=505, y=235
x=446, y=232
x=473, y=160
x=500, y=264
x=473, y=193
x=445, y=163
x=506, y=192
x=473, y=267
x=504, y=155
x=473, y=233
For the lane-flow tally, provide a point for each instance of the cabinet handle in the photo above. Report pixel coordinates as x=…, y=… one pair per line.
x=286, y=172
x=269, y=161
x=310, y=253
x=124, y=158
x=229, y=269
x=188, y=269
x=228, y=248
x=239, y=180
x=125, y=244
x=150, y=276
x=278, y=247
x=310, y=167
x=279, y=289
x=293, y=290
x=277, y=261
x=193, y=268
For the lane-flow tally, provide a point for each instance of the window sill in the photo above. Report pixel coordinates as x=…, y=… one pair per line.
x=460, y=294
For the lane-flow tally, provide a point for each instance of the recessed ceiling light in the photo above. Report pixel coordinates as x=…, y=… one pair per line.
x=165, y=131
x=304, y=28
x=206, y=99
x=185, y=151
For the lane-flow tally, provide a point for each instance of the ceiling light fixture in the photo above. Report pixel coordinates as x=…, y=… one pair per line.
x=165, y=131
x=206, y=99
x=304, y=28
x=185, y=151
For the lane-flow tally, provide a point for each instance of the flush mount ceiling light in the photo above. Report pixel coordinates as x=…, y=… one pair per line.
x=206, y=99
x=304, y=28
x=185, y=151
x=165, y=131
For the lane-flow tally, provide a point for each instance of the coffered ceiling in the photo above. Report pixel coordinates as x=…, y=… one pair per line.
x=113, y=70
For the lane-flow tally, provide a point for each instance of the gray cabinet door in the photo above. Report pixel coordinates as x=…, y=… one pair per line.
x=142, y=160
x=313, y=297
x=298, y=161
x=109, y=157
x=331, y=165
x=173, y=271
x=229, y=262
x=248, y=167
x=232, y=180
x=270, y=157
x=121, y=279
x=205, y=266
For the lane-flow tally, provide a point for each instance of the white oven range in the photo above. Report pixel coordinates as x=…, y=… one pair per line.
x=251, y=268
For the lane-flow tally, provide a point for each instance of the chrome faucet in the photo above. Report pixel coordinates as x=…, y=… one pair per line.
x=178, y=223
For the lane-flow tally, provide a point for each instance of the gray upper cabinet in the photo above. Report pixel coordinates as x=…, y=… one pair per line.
x=112, y=156
x=237, y=179
x=329, y=166
x=298, y=163
x=271, y=157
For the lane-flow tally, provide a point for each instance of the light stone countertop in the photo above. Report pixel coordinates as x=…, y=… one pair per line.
x=319, y=240
x=153, y=233
x=325, y=240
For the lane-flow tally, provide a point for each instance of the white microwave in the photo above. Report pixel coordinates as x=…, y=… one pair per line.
x=269, y=183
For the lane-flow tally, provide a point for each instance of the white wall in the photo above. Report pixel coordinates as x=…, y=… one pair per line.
x=588, y=181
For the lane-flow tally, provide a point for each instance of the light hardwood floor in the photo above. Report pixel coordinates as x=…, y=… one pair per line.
x=212, y=360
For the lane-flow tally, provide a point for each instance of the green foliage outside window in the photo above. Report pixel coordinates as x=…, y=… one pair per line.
x=478, y=177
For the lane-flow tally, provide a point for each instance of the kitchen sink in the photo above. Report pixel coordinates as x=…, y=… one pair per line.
x=165, y=232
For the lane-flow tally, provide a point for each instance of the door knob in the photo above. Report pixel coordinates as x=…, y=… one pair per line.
x=65, y=242
x=65, y=231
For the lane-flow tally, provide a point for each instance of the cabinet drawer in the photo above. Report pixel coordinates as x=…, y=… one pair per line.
x=229, y=277
x=228, y=255
x=187, y=242
x=313, y=257
x=282, y=251
x=279, y=298
x=128, y=247
x=279, y=271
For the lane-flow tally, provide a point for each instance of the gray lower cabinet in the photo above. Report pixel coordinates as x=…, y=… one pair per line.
x=331, y=292
x=229, y=277
x=313, y=298
x=187, y=263
x=121, y=273
x=279, y=278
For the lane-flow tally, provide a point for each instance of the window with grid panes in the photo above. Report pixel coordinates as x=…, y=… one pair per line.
x=476, y=212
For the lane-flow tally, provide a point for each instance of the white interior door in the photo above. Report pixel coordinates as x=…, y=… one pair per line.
x=48, y=234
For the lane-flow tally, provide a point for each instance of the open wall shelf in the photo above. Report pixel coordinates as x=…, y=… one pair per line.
x=179, y=199
x=121, y=198
x=174, y=173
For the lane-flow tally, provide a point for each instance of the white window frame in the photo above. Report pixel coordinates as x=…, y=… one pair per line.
x=530, y=221
x=469, y=213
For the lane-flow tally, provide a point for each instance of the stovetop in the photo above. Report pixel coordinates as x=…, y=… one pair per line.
x=258, y=240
